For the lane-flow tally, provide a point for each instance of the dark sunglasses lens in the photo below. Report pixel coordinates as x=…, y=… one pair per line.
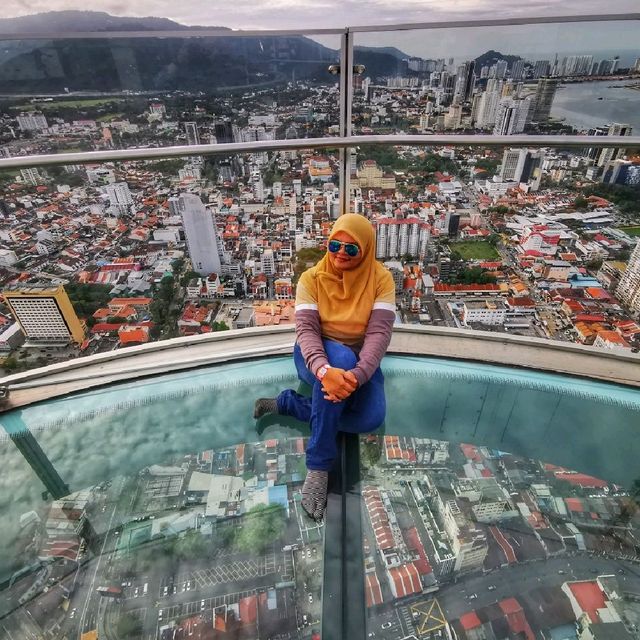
x=334, y=246
x=352, y=249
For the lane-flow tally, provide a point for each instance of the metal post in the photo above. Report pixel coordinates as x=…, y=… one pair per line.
x=346, y=99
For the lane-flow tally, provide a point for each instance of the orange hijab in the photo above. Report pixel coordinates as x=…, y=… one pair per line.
x=345, y=299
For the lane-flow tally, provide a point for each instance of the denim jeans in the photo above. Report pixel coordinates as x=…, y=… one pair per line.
x=361, y=412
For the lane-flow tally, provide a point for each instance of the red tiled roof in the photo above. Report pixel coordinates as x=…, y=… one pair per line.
x=248, y=609
x=440, y=286
x=404, y=580
x=589, y=597
x=574, y=504
x=581, y=479
x=470, y=621
x=373, y=592
x=516, y=618
x=415, y=544
x=105, y=327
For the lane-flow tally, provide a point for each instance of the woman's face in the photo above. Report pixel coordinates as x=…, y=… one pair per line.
x=340, y=261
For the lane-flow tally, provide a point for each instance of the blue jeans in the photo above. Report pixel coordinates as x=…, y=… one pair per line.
x=361, y=412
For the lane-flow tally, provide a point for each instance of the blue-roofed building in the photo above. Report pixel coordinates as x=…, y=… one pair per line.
x=278, y=495
x=564, y=632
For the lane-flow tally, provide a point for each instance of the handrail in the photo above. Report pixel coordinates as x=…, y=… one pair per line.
x=224, y=32
x=452, y=140
x=503, y=22
x=578, y=361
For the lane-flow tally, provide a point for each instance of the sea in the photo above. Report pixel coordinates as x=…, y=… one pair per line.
x=596, y=104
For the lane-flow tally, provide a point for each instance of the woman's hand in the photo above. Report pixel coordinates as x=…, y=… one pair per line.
x=338, y=384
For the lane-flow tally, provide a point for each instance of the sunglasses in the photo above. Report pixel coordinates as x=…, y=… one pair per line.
x=350, y=248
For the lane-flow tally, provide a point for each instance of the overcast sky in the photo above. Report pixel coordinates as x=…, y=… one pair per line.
x=287, y=14
x=306, y=14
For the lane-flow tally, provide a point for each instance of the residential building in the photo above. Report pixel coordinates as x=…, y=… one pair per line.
x=511, y=116
x=397, y=237
x=628, y=290
x=522, y=165
x=193, y=136
x=608, y=154
x=119, y=195
x=45, y=314
x=32, y=121
x=491, y=312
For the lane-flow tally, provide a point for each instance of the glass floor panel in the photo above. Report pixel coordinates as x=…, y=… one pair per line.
x=159, y=507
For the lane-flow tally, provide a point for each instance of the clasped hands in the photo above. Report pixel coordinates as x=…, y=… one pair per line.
x=338, y=384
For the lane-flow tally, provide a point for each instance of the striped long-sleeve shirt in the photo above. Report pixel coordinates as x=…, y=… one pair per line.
x=369, y=347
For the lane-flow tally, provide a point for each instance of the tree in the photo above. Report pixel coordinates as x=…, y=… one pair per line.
x=10, y=364
x=129, y=626
x=177, y=265
x=581, y=203
x=187, y=277
x=371, y=452
x=191, y=546
x=263, y=525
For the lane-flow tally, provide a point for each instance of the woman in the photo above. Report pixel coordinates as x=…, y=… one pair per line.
x=345, y=309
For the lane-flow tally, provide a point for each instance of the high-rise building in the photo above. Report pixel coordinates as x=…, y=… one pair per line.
x=501, y=69
x=45, y=314
x=541, y=68
x=511, y=116
x=397, y=237
x=518, y=70
x=31, y=175
x=465, y=81
x=628, y=291
x=543, y=99
x=224, y=132
x=622, y=172
x=200, y=233
x=268, y=263
x=191, y=129
x=576, y=66
x=119, y=195
x=522, y=165
x=257, y=184
x=608, y=154
x=488, y=106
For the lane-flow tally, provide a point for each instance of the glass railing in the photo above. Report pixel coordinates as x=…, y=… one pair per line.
x=500, y=79
x=160, y=505
x=155, y=90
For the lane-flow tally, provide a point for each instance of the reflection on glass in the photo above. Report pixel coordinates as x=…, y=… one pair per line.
x=155, y=535
x=462, y=540
x=215, y=540
x=103, y=94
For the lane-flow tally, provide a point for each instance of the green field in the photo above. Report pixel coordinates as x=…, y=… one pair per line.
x=75, y=104
x=109, y=116
x=631, y=231
x=475, y=250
